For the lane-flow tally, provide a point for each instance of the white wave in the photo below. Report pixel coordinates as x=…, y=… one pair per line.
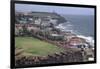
x=60, y=26
x=65, y=26
x=88, y=39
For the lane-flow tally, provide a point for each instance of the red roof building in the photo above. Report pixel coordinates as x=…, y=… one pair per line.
x=74, y=42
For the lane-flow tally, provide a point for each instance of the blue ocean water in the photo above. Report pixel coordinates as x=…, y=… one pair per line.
x=80, y=24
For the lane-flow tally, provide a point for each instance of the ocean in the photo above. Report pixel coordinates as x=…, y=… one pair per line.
x=81, y=25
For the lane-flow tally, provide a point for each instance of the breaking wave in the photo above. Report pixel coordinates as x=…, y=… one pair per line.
x=88, y=39
x=66, y=27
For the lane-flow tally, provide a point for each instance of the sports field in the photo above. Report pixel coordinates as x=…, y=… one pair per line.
x=35, y=47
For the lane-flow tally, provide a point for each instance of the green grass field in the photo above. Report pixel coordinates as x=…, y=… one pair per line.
x=35, y=47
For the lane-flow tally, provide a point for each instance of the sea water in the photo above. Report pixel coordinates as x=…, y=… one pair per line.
x=81, y=25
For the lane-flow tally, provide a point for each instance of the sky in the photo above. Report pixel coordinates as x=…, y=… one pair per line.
x=57, y=9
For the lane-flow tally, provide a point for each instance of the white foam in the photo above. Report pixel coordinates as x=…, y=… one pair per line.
x=88, y=39
x=61, y=27
x=65, y=26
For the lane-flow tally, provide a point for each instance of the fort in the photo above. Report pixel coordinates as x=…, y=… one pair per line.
x=41, y=25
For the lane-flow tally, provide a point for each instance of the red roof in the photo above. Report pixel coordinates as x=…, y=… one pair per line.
x=76, y=41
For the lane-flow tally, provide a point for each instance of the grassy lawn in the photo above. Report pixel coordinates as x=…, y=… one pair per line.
x=36, y=47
